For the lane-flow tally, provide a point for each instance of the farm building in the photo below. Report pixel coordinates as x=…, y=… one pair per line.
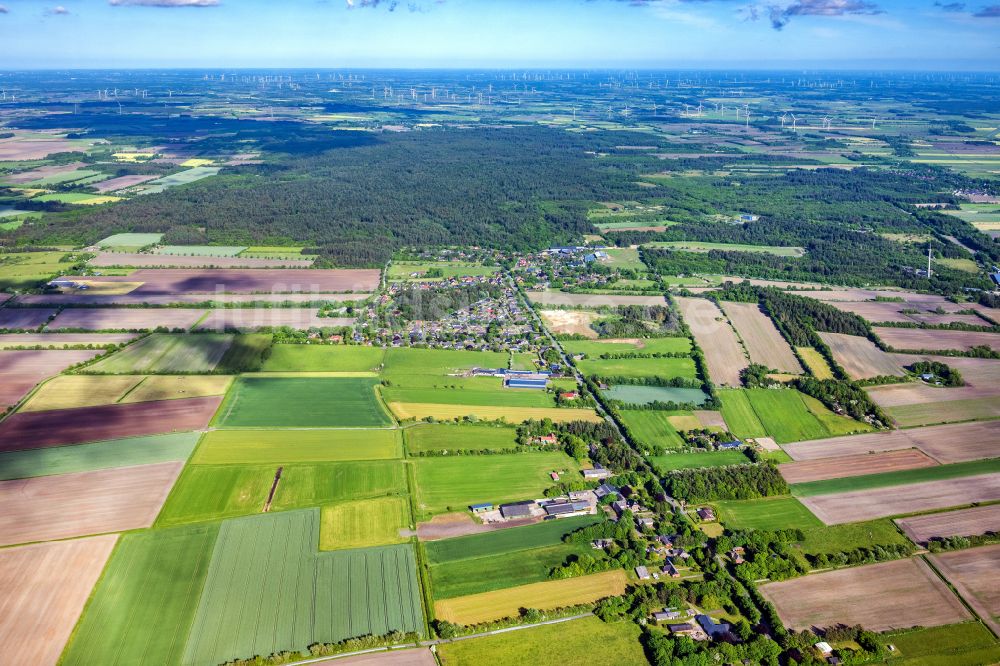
x=516, y=510
x=481, y=508
x=642, y=572
x=666, y=615
x=562, y=509
x=546, y=439
x=670, y=570
x=683, y=629
x=597, y=473
x=706, y=513
x=730, y=446
x=538, y=382
x=712, y=628
x=605, y=489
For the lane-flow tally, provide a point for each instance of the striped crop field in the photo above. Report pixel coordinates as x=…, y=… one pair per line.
x=406, y=410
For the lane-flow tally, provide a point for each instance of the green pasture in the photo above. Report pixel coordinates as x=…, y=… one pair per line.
x=312, y=402
x=373, y=522
x=314, y=485
x=698, y=246
x=130, y=240
x=967, y=644
x=664, y=368
x=25, y=270
x=767, y=513
x=416, y=270
x=651, y=427
x=323, y=358
x=415, y=361
x=180, y=178
x=841, y=538
x=739, y=414
x=245, y=354
x=594, y=348
x=644, y=395
x=500, y=397
x=201, y=250
x=426, y=437
x=261, y=447
x=499, y=542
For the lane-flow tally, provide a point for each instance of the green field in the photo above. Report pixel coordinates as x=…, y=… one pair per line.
x=644, y=395
x=245, y=354
x=130, y=240
x=374, y=522
x=698, y=246
x=739, y=414
x=968, y=644
x=313, y=485
x=509, y=540
x=652, y=428
x=268, y=589
x=24, y=270
x=312, y=402
x=770, y=513
x=405, y=270
x=411, y=361
x=65, y=177
x=180, y=178
x=624, y=257
x=98, y=455
x=584, y=641
x=142, y=608
x=453, y=483
x=785, y=415
x=451, y=437
x=665, y=368
x=689, y=460
x=594, y=348
x=253, y=447
x=841, y=538
x=919, y=475
x=323, y=358
x=165, y=353
x=500, y=397
x=77, y=198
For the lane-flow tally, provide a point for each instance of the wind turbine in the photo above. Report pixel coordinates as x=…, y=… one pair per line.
x=873, y=122
x=119, y=108
x=784, y=117
x=794, y=120
x=746, y=112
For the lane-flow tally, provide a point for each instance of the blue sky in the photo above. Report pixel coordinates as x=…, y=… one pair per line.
x=500, y=33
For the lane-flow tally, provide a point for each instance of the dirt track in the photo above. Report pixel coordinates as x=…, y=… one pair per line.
x=857, y=465
x=889, y=595
x=723, y=352
x=45, y=587
x=964, y=522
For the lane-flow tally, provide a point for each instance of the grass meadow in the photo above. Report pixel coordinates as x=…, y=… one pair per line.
x=652, y=427
x=291, y=401
x=769, y=513
x=165, y=352
x=374, y=522
x=739, y=414
x=323, y=358
x=261, y=447
x=426, y=437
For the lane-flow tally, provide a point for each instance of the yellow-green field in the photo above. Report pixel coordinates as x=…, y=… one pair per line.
x=71, y=391
x=167, y=387
x=374, y=522
x=815, y=362
x=263, y=447
x=419, y=410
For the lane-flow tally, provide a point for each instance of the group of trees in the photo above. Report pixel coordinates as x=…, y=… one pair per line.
x=724, y=483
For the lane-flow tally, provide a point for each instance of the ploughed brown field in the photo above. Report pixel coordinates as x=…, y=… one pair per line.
x=251, y=318
x=45, y=587
x=38, y=430
x=931, y=300
x=63, y=339
x=167, y=281
x=882, y=311
x=121, y=182
x=43, y=172
x=46, y=508
x=414, y=657
x=87, y=298
x=964, y=522
x=173, y=261
x=973, y=573
x=591, y=300
x=889, y=595
x=934, y=339
x=131, y=319
x=17, y=149
x=946, y=443
x=856, y=465
x=762, y=339
x=860, y=357
x=24, y=318
x=859, y=505
x=21, y=369
x=723, y=352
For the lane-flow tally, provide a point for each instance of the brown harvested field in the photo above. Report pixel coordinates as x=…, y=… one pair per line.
x=45, y=587
x=63, y=339
x=174, y=261
x=717, y=339
x=591, y=300
x=860, y=357
x=20, y=370
x=857, y=465
x=85, y=298
x=38, y=430
x=46, y=508
x=973, y=574
x=952, y=411
x=950, y=318
x=19, y=148
x=964, y=522
x=888, y=595
x=858, y=505
x=945, y=443
x=251, y=318
x=24, y=318
x=126, y=319
x=121, y=182
x=762, y=339
x=448, y=525
x=169, y=281
x=934, y=339
x=43, y=172
x=414, y=657
x=710, y=419
x=570, y=322
x=871, y=294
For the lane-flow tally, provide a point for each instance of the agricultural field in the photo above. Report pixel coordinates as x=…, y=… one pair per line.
x=129, y=240
x=570, y=322
x=444, y=412
x=498, y=396
x=45, y=588
x=58, y=340
x=270, y=563
x=644, y=395
x=73, y=391
x=652, y=428
x=417, y=270
x=375, y=522
x=246, y=354
x=860, y=358
x=25, y=270
x=575, y=642
x=411, y=361
x=692, y=246
x=595, y=348
x=591, y=300
x=857, y=465
x=789, y=416
x=832, y=539
x=81, y=503
x=740, y=415
x=889, y=595
x=22, y=369
x=180, y=178
x=453, y=483
x=423, y=438
x=935, y=339
x=815, y=363
x=144, y=604
x=127, y=452
x=125, y=319
x=289, y=401
x=665, y=368
x=966, y=644
x=769, y=513
x=762, y=339
x=250, y=319
x=723, y=352
x=263, y=447
x=689, y=460
x=896, y=477
x=487, y=606
x=24, y=319
x=162, y=352
x=323, y=358
x=972, y=573
x=964, y=522
x=201, y=250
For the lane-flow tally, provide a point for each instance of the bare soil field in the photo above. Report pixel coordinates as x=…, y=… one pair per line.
x=414, y=657
x=570, y=322
x=84, y=298
x=964, y=522
x=448, y=525
x=591, y=300
x=710, y=419
x=855, y=506
x=24, y=318
x=860, y=357
x=63, y=339
x=888, y=595
x=168, y=281
x=932, y=300
x=176, y=261
x=723, y=352
x=45, y=587
x=252, y=318
x=43, y=172
x=46, y=508
x=935, y=319
x=945, y=443
x=126, y=319
x=921, y=338
x=121, y=182
x=874, y=311
x=20, y=370
x=973, y=573
x=18, y=148
x=38, y=430
x=856, y=465
x=762, y=339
